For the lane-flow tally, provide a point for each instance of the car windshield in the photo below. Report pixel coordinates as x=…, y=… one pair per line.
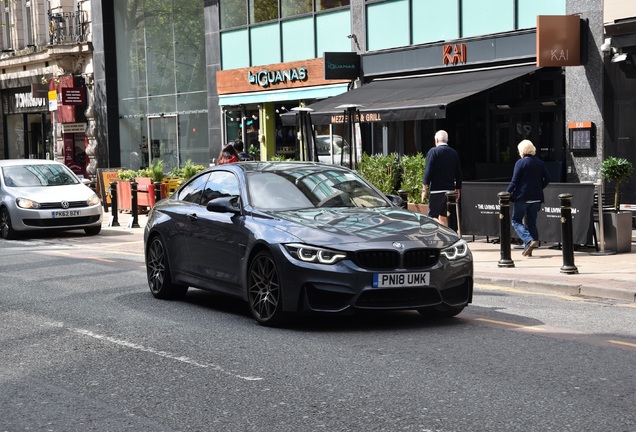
x=310, y=188
x=38, y=175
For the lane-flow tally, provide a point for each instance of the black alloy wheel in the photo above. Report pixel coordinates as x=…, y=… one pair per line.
x=264, y=291
x=6, y=229
x=158, y=269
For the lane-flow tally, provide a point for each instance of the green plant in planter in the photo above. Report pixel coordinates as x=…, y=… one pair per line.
x=189, y=169
x=126, y=175
x=156, y=170
x=381, y=171
x=412, y=175
x=616, y=170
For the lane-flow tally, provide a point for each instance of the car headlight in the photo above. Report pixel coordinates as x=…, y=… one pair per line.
x=26, y=203
x=456, y=251
x=93, y=200
x=314, y=254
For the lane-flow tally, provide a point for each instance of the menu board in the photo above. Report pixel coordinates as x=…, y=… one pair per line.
x=581, y=136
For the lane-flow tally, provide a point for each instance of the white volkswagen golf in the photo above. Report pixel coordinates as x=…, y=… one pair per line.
x=45, y=195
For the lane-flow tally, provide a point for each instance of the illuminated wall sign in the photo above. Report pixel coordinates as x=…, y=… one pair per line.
x=265, y=78
x=454, y=54
x=342, y=65
x=558, y=40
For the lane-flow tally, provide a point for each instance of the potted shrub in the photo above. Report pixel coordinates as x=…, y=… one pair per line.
x=381, y=171
x=617, y=225
x=412, y=168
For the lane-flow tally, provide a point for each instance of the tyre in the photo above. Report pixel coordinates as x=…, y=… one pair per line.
x=6, y=229
x=91, y=231
x=437, y=312
x=158, y=269
x=264, y=291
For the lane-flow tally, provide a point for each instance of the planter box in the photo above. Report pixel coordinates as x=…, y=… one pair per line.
x=419, y=208
x=617, y=231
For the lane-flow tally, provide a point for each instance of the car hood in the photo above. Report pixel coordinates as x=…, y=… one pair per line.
x=340, y=227
x=76, y=192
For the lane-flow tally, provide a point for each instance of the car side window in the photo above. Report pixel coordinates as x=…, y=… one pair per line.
x=220, y=184
x=193, y=191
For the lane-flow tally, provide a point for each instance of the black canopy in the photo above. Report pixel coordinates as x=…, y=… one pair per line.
x=412, y=98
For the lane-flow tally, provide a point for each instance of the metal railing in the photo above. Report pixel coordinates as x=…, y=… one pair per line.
x=67, y=27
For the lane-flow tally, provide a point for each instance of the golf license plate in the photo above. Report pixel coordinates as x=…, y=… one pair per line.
x=66, y=213
x=390, y=280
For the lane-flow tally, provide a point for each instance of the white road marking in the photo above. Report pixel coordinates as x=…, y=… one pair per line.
x=164, y=354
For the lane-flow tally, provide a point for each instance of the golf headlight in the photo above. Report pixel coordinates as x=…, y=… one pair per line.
x=93, y=200
x=314, y=254
x=27, y=203
x=456, y=251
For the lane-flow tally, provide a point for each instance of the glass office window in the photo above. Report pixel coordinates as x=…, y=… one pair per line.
x=330, y=4
x=290, y=8
x=529, y=9
x=233, y=13
x=388, y=24
x=434, y=20
x=265, y=44
x=332, y=30
x=263, y=10
x=298, y=39
x=482, y=18
x=235, y=49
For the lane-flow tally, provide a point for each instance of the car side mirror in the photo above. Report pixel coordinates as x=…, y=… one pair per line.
x=396, y=200
x=226, y=204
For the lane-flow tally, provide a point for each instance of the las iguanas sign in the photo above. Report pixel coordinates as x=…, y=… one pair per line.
x=265, y=78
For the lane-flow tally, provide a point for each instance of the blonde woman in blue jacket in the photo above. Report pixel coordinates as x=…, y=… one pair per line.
x=529, y=178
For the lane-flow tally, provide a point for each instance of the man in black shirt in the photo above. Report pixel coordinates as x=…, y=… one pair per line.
x=443, y=174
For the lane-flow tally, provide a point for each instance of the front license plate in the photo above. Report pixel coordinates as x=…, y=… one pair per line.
x=65, y=213
x=389, y=280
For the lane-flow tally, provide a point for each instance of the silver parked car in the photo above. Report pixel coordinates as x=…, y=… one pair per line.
x=45, y=195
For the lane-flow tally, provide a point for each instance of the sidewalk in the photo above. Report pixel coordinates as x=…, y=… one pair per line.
x=604, y=276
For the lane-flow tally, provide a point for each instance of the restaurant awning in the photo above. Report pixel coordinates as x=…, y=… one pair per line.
x=411, y=98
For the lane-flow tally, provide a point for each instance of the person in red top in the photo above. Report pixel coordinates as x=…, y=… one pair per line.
x=228, y=155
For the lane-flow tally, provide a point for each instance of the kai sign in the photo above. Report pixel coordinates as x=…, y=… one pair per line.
x=558, y=40
x=454, y=54
x=266, y=78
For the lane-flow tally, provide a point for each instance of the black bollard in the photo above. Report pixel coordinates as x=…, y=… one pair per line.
x=451, y=210
x=113, y=204
x=566, y=234
x=404, y=194
x=134, y=222
x=157, y=191
x=504, y=230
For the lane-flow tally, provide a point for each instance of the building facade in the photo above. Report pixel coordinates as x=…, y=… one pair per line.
x=176, y=80
x=47, y=56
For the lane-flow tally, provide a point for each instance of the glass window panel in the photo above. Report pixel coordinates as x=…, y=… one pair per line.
x=298, y=42
x=295, y=7
x=529, y=9
x=265, y=44
x=159, y=30
x=332, y=29
x=235, y=49
x=380, y=33
x=193, y=129
x=263, y=10
x=189, y=55
x=330, y=4
x=427, y=25
x=233, y=13
x=161, y=104
x=481, y=18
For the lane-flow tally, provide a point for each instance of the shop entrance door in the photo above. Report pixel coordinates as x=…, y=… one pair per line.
x=164, y=141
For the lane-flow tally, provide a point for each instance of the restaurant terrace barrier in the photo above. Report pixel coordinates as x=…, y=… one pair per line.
x=479, y=210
